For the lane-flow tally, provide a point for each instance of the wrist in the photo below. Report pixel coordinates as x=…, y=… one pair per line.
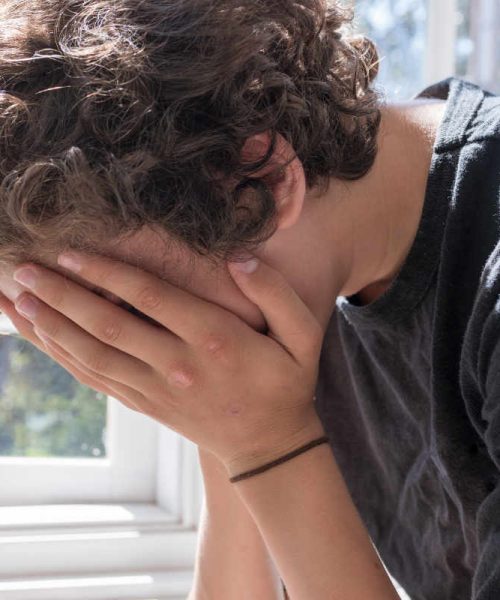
x=273, y=446
x=222, y=501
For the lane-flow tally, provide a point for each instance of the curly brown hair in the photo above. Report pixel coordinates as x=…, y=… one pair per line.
x=118, y=114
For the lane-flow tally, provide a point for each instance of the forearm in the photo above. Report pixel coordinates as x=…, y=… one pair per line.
x=313, y=531
x=232, y=559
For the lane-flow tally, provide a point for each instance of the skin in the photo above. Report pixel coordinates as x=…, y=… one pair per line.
x=352, y=239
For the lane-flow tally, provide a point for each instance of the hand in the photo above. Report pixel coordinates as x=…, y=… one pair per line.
x=194, y=367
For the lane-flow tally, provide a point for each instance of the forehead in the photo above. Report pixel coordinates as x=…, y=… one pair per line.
x=130, y=251
x=146, y=250
x=202, y=276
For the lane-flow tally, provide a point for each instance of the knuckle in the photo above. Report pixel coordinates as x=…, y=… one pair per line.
x=148, y=298
x=108, y=330
x=181, y=374
x=217, y=345
x=98, y=362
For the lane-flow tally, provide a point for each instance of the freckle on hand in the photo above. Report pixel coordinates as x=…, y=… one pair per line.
x=234, y=409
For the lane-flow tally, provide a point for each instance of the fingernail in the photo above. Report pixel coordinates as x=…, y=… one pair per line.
x=27, y=306
x=248, y=266
x=26, y=276
x=70, y=261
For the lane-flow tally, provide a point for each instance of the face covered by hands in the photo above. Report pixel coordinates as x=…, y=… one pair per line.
x=190, y=364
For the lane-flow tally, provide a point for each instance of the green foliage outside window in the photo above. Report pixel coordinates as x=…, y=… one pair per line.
x=44, y=411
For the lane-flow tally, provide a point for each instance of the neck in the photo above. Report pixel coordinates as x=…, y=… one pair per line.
x=377, y=216
x=360, y=232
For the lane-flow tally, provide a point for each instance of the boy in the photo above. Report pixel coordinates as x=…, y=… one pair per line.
x=117, y=118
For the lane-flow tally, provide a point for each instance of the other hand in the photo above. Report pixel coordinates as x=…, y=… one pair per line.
x=193, y=366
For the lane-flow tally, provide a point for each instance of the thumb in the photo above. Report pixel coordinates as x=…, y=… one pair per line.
x=289, y=320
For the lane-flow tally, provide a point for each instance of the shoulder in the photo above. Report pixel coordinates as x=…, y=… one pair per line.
x=486, y=122
x=472, y=113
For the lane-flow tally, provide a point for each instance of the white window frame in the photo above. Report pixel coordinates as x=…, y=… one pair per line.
x=484, y=31
x=120, y=527
x=126, y=474
x=97, y=551
x=440, y=59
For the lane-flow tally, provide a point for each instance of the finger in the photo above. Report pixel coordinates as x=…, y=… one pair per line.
x=100, y=317
x=22, y=325
x=92, y=353
x=290, y=321
x=81, y=376
x=125, y=394
x=176, y=309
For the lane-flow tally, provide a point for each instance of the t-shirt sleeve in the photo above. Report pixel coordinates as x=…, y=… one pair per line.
x=486, y=579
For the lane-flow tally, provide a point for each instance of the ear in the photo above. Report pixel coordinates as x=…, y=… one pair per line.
x=288, y=184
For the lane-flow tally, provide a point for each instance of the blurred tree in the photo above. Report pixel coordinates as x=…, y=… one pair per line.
x=398, y=28
x=44, y=411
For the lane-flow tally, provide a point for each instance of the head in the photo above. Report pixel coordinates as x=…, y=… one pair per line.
x=176, y=134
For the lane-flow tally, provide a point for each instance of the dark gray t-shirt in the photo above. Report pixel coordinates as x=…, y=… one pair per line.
x=409, y=385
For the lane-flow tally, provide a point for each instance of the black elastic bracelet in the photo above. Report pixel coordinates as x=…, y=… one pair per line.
x=322, y=440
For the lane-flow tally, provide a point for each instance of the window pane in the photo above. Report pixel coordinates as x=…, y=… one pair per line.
x=398, y=28
x=44, y=411
x=478, y=53
x=465, y=43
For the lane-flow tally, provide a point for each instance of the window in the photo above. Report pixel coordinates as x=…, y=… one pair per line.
x=421, y=42
x=44, y=411
x=398, y=28
x=478, y=53
x=77, y=450
x=80, y=524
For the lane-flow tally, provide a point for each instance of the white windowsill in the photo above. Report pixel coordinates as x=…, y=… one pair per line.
x=94, y=552
x=127, y=586
x=78, y=515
